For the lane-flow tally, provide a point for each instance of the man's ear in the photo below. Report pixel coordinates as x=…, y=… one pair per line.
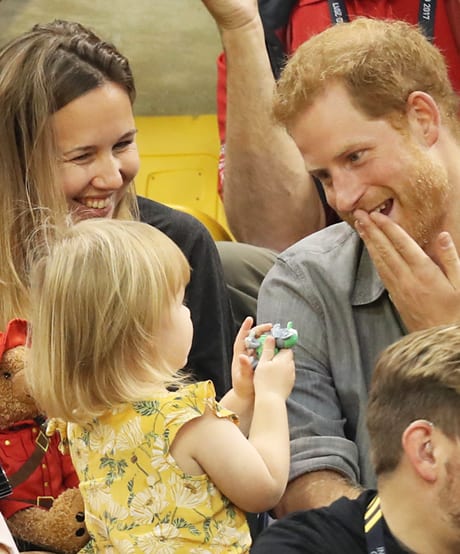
x=423, y=116
x=420, y=448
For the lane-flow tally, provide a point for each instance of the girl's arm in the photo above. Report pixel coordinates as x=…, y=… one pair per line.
x=251, y=472
x=240, y=399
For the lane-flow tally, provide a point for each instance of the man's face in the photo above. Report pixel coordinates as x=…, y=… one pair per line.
x=449, y=494
x=369, y=165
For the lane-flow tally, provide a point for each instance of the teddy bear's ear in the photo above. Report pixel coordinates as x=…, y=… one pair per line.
x=15, y=335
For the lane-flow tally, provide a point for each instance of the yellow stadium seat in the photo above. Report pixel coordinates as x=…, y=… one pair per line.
x=179, y=157
x=216, y=230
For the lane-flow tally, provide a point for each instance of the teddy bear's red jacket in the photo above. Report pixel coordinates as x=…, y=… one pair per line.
x=54, y=474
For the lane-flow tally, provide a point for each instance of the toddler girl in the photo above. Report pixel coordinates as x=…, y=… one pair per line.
x=163, y=466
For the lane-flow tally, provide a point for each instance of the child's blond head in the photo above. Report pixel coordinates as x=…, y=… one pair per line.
x=99, y=297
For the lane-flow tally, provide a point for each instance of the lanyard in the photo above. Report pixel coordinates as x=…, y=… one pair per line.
x=338, y=11
x=373, y=527
x=426, y=15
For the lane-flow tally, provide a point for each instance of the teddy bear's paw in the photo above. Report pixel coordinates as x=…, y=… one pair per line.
x=80, y=518
x=69, y=513
x=60, y=529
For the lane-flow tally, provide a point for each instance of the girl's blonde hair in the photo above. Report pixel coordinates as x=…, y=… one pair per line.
x=41, y=71
x=99, y=297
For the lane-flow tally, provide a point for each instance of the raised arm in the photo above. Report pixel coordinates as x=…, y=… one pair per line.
x=269, y=199
x=251, y=472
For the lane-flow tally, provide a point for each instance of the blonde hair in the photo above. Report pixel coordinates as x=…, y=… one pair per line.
x=99, y=297
x=379, y=62
x=418, y=377
x=41, y=71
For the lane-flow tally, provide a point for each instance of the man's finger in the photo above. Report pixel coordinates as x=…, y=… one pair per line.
x=448, y=258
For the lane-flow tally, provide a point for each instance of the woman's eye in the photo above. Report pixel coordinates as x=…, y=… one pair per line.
x=122, y=145
x=6, y=375
x=81, y=158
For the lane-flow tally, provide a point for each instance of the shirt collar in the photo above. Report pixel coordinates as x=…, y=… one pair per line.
x=368, y=286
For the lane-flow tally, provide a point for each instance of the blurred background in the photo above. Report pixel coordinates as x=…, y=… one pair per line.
x=172, y=45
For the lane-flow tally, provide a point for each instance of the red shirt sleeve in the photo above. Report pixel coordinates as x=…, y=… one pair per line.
x=221, y=112
x=221, y=95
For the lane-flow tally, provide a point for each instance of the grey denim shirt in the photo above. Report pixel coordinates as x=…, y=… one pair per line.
x=327, y=285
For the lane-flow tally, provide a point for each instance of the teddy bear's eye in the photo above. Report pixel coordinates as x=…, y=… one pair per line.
x=6, y=375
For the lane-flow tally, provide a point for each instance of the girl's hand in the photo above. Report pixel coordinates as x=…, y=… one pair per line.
x=274, y=373
x=242, y=371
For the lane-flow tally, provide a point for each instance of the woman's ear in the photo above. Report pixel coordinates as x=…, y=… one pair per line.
x=424, y=117
x=420, y=448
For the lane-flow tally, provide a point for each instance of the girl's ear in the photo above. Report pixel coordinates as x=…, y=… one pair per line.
x=420, y=448
x=424, y=117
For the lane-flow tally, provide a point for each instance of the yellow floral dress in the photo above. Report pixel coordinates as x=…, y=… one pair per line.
x=137, y=499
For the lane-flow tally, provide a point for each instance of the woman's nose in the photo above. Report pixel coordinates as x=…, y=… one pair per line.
x=108, y=174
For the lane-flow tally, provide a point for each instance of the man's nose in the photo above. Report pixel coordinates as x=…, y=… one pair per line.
x=348, y=190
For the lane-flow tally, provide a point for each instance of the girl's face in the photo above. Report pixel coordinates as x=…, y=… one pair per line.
x=176, y=335
x=98, y=156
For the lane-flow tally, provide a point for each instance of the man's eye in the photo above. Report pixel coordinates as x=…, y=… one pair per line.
x=7, y=375
x=355, y=156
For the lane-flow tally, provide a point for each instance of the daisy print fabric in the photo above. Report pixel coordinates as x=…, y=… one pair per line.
x=137, y=499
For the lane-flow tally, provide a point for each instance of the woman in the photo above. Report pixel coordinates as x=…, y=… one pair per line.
x=68, y=145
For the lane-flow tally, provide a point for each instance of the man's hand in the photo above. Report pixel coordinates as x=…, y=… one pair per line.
x=232, y=14
x=424, y=289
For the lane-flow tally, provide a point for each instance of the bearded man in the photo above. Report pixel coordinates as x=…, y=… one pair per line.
x=370, y=107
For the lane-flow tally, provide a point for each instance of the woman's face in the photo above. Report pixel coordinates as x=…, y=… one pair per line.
x=98, y=156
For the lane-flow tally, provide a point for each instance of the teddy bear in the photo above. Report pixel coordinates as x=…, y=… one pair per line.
x=45, y=509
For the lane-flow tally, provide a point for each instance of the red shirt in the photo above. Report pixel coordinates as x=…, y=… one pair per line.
x=54, y=474
x=310, y=17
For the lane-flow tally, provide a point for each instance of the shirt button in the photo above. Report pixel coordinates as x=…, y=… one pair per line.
x=44, y=466
x=34, y=430
x=7, y=443
x=45, y=484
